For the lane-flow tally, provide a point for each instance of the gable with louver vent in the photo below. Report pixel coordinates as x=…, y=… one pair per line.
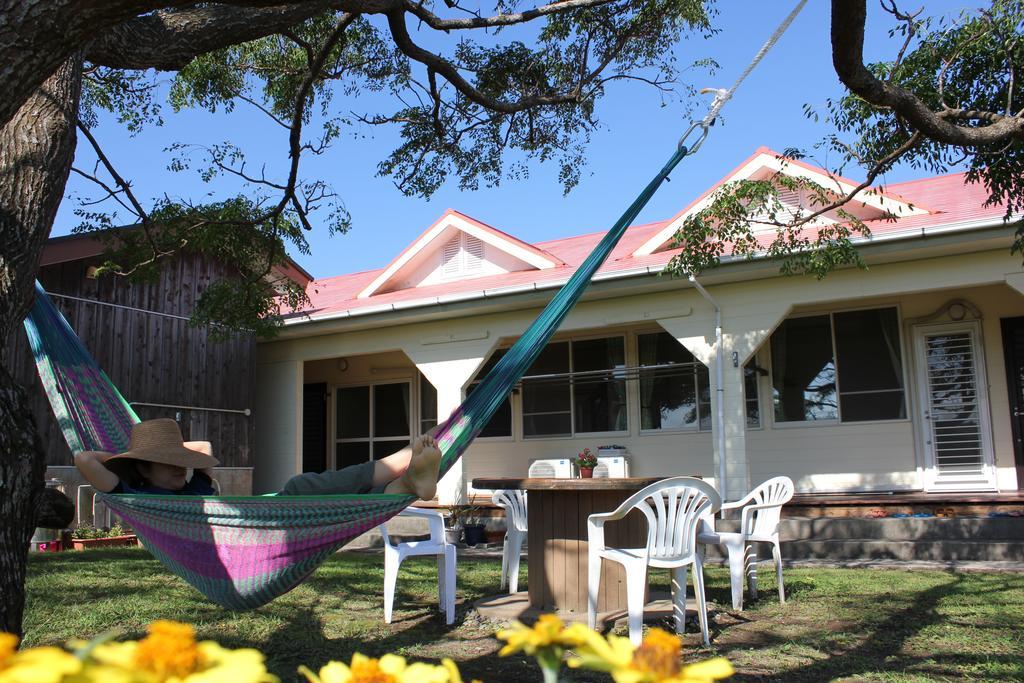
x=455, y=248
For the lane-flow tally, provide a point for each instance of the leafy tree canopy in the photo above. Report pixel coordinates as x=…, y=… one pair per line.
x=486, y=100
x=951, y=98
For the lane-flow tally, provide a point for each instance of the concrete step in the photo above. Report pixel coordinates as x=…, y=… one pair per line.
x=860, y=549
x=400, y=529
x=896, y=529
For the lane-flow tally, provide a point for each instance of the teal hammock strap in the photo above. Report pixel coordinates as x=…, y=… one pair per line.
x=472, y=416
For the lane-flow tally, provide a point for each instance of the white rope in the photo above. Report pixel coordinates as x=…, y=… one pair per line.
x=721, y=95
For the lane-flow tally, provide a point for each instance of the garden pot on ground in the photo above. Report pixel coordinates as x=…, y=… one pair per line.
x=452, y=535
x=474, y=534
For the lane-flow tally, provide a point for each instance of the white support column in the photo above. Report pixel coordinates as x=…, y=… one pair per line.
x=278, y=416
x=742, y=334
x=449, y=376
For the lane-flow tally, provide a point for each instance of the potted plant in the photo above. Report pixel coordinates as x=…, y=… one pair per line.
x=586, y=461
x=462, y=520
x=87, y=536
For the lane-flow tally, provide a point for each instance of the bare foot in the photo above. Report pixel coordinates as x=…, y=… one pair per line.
x=420, y=479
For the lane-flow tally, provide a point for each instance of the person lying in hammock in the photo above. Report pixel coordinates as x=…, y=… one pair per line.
x=157, y=461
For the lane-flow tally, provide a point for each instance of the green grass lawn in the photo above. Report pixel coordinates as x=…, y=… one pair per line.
x=839, y=624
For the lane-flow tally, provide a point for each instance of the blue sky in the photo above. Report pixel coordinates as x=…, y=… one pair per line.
x=637, y=136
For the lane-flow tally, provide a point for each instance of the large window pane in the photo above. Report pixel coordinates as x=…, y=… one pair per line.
x=803, y=370
x=750, y=394
x=552, y=424
x=384, y=448
x=428, y=405
x=599, y=398
x=353, y=412
x=352, y=453
x=500, y=424
x=668, y=383
x=870, y=365
x=547, y=402
x=391, y=410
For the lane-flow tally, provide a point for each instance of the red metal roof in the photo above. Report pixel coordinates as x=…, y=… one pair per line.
x=949, y=199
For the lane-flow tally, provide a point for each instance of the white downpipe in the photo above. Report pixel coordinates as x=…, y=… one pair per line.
x=720, y=390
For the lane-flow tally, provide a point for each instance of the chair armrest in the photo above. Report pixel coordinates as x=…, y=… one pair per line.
x=434, y=518
x=750, y=510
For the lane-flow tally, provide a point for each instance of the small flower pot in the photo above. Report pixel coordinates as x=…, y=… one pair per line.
x=586, y=473
x=474, y=534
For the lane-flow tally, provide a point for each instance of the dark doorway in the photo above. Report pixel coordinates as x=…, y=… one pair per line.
x=314, y=427
x=1013, y=347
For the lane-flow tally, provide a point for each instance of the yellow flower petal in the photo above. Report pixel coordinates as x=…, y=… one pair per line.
x=392, y=665
x=39, y=665
x=8, y=646
x=453, y=671
x=710, y=670
x=335, y=672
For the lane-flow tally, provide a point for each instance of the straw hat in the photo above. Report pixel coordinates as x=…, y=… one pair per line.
x=160, y=441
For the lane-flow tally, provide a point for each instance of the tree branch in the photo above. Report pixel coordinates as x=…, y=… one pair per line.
x=170, y=39
x=436, y=22
x=848, y=18
x=396, y=22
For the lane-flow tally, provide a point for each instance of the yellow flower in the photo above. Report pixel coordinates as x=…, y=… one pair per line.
x=596, y=653
x=169, y=651
x=387, y=669
x=657, y=660
x=8, y=646
x=35, y=665
x=170, y=654
x=549, y=631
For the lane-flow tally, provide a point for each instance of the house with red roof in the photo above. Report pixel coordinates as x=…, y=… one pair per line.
x=906, y=376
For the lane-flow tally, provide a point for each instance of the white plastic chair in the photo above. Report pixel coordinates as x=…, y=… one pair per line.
x=759, y=523
x=560, y=468
x=673, y=508
x=513, y=501
x=394, y=553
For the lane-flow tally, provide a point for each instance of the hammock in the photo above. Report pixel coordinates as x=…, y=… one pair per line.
x=242, y=552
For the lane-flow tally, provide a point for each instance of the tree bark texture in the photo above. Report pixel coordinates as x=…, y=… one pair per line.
x=37, y=147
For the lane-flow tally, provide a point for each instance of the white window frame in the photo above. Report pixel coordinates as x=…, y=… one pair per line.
x=414, y=413
x=572, y=395
x=904, y=357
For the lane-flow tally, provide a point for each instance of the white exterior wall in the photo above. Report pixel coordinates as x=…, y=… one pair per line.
x=852, y=456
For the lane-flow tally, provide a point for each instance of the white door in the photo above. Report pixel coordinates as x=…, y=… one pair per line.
x=954, y=408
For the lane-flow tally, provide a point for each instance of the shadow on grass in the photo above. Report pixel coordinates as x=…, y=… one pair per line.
x=886, y=649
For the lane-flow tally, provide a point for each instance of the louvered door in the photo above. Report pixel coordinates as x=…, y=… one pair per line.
x=954, y=408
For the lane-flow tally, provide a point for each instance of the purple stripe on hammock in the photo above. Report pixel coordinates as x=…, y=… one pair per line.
x=240, y=561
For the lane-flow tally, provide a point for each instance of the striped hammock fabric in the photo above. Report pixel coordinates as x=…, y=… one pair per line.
x=242, y=552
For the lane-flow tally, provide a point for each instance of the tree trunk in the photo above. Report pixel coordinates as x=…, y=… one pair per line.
x=37, y=147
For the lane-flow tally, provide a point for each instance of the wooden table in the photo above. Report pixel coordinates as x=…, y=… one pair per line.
x=557, y=536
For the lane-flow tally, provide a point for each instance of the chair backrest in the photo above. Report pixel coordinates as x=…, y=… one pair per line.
x=775, y=492
x=513, y=501
x=613, y=467
x=554, y=467
x=674, y=508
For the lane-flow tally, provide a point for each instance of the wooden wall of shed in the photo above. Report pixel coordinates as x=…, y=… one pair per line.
x=152, y=355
